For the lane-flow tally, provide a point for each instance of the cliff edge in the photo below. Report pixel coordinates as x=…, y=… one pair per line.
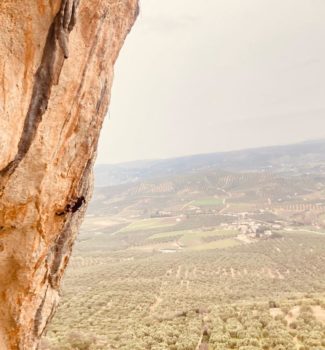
x=56, y=70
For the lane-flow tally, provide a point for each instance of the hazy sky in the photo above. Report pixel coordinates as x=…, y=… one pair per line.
x=215, y=75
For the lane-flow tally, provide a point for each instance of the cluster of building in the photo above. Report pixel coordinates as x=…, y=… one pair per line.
x=253, y=229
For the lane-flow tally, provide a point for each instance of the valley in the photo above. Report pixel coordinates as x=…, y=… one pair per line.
x=200, y=260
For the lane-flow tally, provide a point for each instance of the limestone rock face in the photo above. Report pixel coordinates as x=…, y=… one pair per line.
x=56, y=69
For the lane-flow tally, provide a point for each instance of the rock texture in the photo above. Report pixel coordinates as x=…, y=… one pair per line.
x=56, y=69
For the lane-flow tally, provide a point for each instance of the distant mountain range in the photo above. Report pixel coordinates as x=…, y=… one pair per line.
x=306, y=157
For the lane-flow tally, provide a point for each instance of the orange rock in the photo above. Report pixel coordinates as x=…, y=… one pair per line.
x=56, y=69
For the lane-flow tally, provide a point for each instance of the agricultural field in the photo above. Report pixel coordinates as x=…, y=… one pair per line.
x=212, y=291
x=204, y=260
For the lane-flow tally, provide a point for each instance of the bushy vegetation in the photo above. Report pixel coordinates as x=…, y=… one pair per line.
x=243, y=297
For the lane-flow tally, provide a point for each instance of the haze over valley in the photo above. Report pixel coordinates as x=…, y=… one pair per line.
x=217, y=251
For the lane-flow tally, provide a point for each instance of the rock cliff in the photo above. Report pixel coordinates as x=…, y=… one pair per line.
x=56, y=70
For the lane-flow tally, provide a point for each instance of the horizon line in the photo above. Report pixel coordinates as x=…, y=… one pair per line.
x=306, y=141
